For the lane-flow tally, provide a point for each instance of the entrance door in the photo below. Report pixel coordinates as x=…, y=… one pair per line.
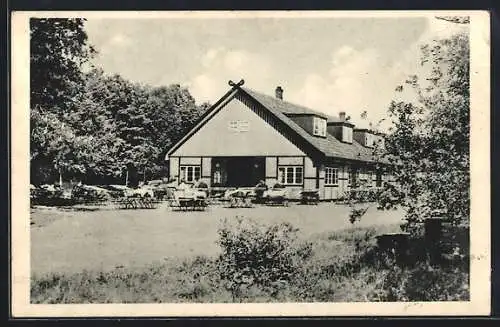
x=241, y=171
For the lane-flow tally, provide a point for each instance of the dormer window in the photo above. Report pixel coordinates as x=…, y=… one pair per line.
x=319, y=126
x=347, y=134
x=368, y=140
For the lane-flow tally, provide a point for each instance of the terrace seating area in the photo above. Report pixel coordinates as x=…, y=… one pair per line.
x=186, y=197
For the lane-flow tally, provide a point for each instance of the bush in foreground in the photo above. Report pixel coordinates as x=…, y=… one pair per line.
x=259, y=256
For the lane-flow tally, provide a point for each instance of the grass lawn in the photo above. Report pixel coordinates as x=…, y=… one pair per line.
x=101, y=240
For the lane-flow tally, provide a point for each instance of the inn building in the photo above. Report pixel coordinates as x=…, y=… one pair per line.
x=247, y=137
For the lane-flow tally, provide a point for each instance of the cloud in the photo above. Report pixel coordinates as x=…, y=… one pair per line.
x=438, y=28
x=221, y=65
x=360, y=80
x=120, y=40
x=210, y=56
x=115, y=43
x=357, y=79
x=355, y=82
x=410, y=62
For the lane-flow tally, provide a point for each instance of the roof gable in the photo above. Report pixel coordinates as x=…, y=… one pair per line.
x=212, y=111
x=238, y=130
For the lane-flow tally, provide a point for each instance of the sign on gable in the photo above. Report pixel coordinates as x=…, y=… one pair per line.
x=239, y=126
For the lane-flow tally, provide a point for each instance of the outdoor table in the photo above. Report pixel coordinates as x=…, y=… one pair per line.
x=275, y=197
x=136, y=203
x=241, y=197
x=189, y=199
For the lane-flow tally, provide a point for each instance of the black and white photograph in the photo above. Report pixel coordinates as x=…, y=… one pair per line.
x=250, y=163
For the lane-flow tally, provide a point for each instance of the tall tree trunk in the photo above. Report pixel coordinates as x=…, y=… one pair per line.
x=126, y=178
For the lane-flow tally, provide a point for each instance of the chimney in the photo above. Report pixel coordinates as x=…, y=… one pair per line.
x=342, y=115
x=279, y=93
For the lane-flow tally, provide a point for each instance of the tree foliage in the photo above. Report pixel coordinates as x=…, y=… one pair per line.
x=91, y=126
x=429, y=143
x=59, y=49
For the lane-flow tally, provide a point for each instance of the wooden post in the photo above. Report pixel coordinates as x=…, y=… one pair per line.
x=432, y=236
x=126, y=178
x=60, y=178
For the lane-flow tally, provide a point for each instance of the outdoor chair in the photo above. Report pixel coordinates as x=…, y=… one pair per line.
x=240, y=198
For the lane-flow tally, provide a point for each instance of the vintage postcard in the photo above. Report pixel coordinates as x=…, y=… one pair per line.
x=281, y=163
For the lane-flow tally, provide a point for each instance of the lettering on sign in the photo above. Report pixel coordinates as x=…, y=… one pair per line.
x=239, y=126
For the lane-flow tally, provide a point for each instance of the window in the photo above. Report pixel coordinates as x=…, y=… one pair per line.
x=233, y=126
x=319, y=126
x=217, y=177
x=346, y=134
x=379, y=179
x=352, y=177
x=369, y=181
x=368, y=141
x=190, y=174
x=290, y=175
x=331, y=176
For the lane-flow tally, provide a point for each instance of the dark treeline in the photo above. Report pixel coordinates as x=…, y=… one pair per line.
x=93, y=127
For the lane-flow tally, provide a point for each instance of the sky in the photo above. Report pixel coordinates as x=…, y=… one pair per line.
x=328, y=64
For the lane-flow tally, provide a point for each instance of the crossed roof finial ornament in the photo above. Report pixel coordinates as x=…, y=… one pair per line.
x=240, y=83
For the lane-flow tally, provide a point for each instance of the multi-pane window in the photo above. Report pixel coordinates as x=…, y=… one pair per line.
x=331, y=176
x=190, y=173
x=290, y=175
x=319, y=126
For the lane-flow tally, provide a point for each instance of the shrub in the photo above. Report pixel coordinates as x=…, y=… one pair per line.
x=84, y=193
x=356, y=213
x=49, y=196
x=267, y=257
x=427, y=283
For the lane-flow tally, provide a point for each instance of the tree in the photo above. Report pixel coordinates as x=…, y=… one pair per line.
x=58, y=51
x=429, y=143
x=92, y=126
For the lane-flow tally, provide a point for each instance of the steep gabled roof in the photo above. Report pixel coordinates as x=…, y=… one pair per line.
x=286, y=107
x=329, y=146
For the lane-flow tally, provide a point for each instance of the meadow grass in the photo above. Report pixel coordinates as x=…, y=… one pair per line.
x=340, y=269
